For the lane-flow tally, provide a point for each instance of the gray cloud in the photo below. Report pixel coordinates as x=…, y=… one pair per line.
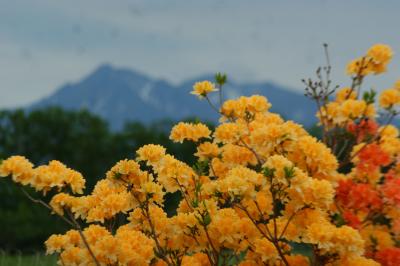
x=46, y=43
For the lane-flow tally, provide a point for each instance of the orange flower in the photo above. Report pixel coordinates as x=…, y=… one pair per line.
x=391, y=190
x=371, y=157
x=358, y=196
x=388, y=256
x=364, y=129
x=352, y=219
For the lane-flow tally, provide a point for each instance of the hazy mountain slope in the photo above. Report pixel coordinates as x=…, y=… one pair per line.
x=121, y=95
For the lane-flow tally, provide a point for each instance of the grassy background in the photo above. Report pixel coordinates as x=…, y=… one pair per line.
x=27, y=260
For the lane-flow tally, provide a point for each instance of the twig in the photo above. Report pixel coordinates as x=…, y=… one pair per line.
x=86, y=243
x=73, y=223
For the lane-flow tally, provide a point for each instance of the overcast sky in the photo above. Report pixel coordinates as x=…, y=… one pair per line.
x=46, y=43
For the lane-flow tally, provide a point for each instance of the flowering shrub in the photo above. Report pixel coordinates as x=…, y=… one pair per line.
x=367, y=195
x=261, y=188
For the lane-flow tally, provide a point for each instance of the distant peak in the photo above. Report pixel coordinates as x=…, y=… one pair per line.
x=104, y=68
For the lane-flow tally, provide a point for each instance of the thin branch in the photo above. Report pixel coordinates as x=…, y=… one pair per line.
x=86, y=243
x=71, y=222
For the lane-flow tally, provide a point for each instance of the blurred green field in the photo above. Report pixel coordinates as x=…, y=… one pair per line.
x=27, y=260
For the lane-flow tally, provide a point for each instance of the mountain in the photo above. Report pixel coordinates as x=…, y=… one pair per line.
x=121, y=95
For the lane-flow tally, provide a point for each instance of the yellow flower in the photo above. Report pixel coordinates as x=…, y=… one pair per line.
x=56, y=174
x=257, y=104
x=239, y=181
x=189, y=131
x=357, y=261
x=172, y=173
x=344, y=240
x=153, y=191
x=360, y=66
x=380, y=55
x=228, y=132
x=207, y=150
x=127, y=171
x=94, y=232
x=109, y=206
x=20, y=169
x=245, y=106
x=265, y=249
x=55, y=243
x=75, y=256
x=201, y=89
x=59, y=201
x=344, y=94
x=280, y=166
x=151, y=153
x=353, y=109
x=377, y=235
x=219, y=168
x=314, y=158
x=298, y=260
x=238, y=155
x=135, y=248
x=234, y=108
x=397, y=85
x=198, y=259
x=389, y=98
x=319, y=193
x=388, y=131
x=375, y=61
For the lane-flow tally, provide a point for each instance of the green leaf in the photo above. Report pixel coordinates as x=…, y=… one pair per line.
x=369, y=96
x=289, y=172
x=268, y=172
x=220, y=78
x=206, y=219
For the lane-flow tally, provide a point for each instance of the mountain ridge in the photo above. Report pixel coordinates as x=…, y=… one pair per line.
x=120, y=95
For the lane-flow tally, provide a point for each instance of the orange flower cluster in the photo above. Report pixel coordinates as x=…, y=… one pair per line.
x=368, y=192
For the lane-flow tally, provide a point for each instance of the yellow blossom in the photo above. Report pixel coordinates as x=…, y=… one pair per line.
x=345, y=93
x=201, y=89
x=360, y=66
x=207, y=150
x=189, y=131
x=380, y=55
x=389, y=98
x=20, y=169
x=151, y=153
x=228, y=132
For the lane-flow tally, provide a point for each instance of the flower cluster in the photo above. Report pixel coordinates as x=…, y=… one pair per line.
x=43, y=178
x=367, y=195
x=261, y=188
x=374, y=62
x=260, y=184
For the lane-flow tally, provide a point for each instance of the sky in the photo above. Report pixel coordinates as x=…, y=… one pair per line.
x=47, y=43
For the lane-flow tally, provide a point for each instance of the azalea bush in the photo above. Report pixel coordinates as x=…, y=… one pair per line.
x=368, y=194
x=262, y=192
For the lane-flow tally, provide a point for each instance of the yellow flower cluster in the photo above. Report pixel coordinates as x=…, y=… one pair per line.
x=374, y=62
x=260, y=183
x=346, y=108
x=42, y=178
x=188, y=131
x=390, y=98
x=126, y=247
x=260, y=187
x=245, y=107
